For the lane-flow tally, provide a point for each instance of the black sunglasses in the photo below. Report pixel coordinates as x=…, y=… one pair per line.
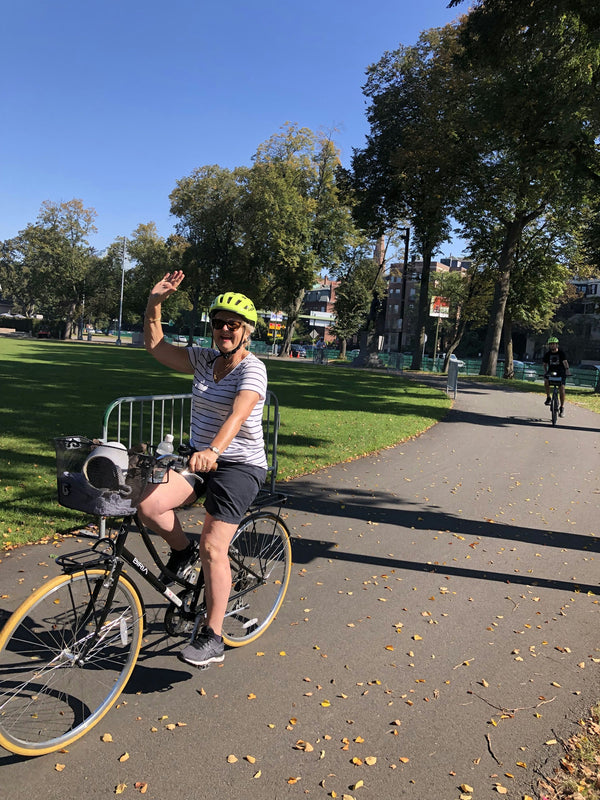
x=232, y=324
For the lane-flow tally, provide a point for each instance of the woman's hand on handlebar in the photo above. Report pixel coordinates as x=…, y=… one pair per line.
x=202, y=461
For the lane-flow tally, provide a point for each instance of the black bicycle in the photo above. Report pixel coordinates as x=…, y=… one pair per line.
x=69, y=649
x=555, y=381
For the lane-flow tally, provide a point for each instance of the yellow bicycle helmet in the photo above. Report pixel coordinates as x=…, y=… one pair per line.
x=237, y=303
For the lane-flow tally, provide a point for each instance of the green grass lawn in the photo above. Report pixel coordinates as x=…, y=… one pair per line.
x=328, y=415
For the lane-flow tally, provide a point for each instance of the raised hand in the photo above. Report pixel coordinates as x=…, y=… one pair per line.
x=165, y=287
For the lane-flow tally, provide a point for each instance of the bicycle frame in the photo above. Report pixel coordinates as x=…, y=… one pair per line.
x=119, y=555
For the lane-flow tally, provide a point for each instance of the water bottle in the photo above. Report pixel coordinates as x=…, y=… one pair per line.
x=165, y=448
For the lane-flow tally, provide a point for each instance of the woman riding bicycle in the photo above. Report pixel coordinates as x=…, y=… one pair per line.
x=228, y=394
x=556, y=361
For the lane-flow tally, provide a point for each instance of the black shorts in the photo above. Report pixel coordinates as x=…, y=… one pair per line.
x=230, y=489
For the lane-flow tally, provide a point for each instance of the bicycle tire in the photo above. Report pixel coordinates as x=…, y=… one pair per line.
x=48, y=698
x=261, y=564
x=554, y=407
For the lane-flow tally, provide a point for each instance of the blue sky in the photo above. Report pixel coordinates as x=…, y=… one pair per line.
x=112, y=102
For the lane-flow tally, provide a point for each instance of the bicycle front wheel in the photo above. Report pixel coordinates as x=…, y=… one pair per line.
x=261, y=563
x=60, y=670
x=554, y=407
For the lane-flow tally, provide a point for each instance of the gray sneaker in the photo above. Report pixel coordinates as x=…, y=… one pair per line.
x=204, y=648
x=181, y=562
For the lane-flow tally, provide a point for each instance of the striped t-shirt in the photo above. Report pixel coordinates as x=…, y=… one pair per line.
x=212, y=403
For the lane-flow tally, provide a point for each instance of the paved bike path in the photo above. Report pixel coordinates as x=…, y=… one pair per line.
x=440, y=619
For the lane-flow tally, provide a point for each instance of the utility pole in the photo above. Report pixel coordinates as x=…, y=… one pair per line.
x=122, y=287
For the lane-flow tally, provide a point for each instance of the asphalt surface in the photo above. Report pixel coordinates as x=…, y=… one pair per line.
x=440, y=630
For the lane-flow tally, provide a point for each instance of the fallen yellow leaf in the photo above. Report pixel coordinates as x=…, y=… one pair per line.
x=357, y=785
x=106, y=737
x=120, y=788
x=59, y=767
x=370, y=760
x=124, y=757
x=141, y=786
x=231, y=759
x=305, y=746
x=250, y=759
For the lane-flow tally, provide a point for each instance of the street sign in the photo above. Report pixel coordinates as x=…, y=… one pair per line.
x=440, y=307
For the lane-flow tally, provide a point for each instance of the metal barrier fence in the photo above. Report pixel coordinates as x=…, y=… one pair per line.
x=147, y=418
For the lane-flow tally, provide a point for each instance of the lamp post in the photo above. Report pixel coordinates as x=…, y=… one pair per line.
x=122, y=287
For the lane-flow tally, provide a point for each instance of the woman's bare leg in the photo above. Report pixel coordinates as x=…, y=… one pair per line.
x=214, y=546
x=157, y=509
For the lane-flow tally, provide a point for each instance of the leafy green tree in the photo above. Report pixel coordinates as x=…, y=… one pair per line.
x=539, y=281
x=296, y=221
x=354, y=294
x=207, y=205
x=48, y=263
x=533, y=74
x=20, y=266
x=151, y=257
x=469, y=297
x=411, y=165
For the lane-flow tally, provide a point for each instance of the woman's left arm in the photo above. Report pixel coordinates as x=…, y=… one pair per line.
x=243, y=404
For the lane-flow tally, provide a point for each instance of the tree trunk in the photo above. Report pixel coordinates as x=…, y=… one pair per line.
x=509, y=368
x=489, y=360
x=423, y=309
x=454, y=342
x=70, y=321
x=292, y=318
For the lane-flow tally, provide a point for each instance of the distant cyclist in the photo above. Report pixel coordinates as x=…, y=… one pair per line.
x=555, y=360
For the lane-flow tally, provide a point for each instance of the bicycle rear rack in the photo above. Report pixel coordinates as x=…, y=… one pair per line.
x=89, y=558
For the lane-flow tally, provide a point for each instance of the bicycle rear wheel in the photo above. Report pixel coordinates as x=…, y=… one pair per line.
x=59, y=673
x=261, y=563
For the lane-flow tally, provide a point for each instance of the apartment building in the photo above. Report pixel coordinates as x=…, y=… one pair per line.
x=400, y=331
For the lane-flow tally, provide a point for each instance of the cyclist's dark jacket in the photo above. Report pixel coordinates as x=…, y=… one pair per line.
x=554, y=362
